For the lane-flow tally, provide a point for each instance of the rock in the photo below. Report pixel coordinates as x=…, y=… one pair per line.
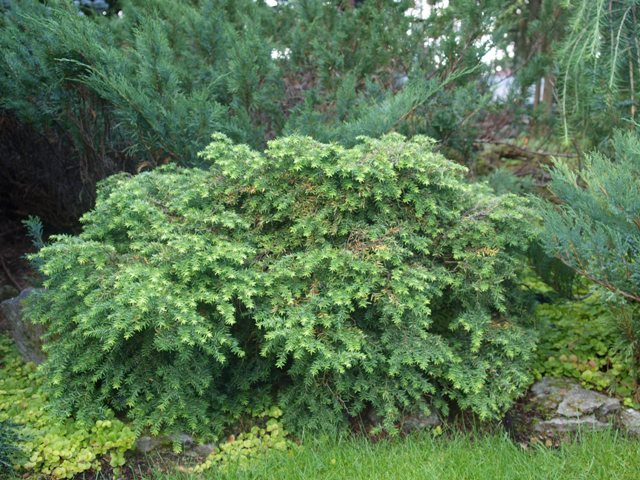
x=186, y=441
x=204, y=450
x=578, y=402
x=630, y=420
x=552, y=386
x=147, y=444
x=409, y=423
x=565, y=406
x=420, y=422
x=25, y=334
x=559, y=424
x=548, y=392
x=559, y=405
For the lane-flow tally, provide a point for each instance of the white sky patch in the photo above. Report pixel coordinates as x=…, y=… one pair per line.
x=423, y=9
x=280, y=54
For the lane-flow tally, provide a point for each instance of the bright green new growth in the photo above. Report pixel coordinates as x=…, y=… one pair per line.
x=335, y=279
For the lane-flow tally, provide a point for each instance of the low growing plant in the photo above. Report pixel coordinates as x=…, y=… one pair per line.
x=50, y=446
x=263, y=438
x=569, y=348
x=336, y=280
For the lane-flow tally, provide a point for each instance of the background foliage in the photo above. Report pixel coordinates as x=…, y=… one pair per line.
x=599, y=62
x=148, y=83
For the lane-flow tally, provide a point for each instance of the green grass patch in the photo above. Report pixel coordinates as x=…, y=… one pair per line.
x=594, y=456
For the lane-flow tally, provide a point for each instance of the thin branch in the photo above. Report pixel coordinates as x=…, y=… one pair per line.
x=526, y=151
x=603, y=283
x=9, y=275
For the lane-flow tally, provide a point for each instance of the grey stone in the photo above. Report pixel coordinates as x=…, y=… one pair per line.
x=420, y=422
x=610, y=406
x=558, y=424
x=567, y=407
x=630, y=420
x=410, y=423
x=549, y=392
x=147, y=444
x=183, y=439
x=552, y=386
x=205, y=449
x=579, y=402
x=25, y=334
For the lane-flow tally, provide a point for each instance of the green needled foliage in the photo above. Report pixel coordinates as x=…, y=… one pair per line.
x=335, y=279
x=599, y=61
x=595, y=229
x=146, y=86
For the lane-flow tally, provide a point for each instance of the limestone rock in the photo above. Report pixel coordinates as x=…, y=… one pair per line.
x=409, y=423
x=630, y=420
x=552, y=386
x=420, y=422
x=186, y=441
x=205, y=449
x=548, y=392
x=190, y=448
x=579, y=401
x=25, y=334
x=565, y=406
x=147, y=444
x=560, y=424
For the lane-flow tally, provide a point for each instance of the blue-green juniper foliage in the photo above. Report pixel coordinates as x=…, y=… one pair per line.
x=594, y=228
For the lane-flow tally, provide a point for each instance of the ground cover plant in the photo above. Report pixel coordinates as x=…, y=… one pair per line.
x=579, y=339
x=334, y=281
x=41, y=443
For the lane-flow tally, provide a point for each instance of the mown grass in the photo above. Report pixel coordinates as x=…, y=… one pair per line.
x=594, y=456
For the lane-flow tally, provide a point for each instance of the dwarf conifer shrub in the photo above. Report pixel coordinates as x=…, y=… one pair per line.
x=334, y=280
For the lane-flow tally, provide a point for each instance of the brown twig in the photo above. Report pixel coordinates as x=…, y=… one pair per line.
x=580, y=270
x=9, y=275
x=526, y=151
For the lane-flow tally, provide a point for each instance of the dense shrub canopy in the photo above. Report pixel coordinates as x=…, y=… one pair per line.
x=336, y=279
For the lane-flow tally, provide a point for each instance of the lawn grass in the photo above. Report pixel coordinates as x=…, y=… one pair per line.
x=595, y=456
